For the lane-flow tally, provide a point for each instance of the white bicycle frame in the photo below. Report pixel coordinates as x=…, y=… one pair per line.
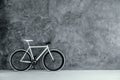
x=29, y=50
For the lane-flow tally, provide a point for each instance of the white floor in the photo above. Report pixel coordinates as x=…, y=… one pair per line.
x=61, y=75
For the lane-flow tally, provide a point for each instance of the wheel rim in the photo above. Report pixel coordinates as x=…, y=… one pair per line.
x=56, y=64
x=15, y=61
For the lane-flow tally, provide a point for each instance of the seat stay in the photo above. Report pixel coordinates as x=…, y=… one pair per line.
x=27, y=51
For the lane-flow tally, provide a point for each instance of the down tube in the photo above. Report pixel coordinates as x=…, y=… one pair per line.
x=41, y=54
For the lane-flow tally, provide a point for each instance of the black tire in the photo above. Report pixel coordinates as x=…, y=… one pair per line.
x=15, y=60
x=55, y=65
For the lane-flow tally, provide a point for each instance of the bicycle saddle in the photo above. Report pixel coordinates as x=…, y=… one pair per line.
x=28, y=40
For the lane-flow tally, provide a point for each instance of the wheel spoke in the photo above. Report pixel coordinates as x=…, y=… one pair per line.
x=56, y=64
x=16, y=62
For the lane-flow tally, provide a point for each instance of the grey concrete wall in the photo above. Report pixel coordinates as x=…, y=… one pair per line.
x=86, y=31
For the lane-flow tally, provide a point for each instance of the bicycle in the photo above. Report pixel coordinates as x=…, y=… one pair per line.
x=21, y=60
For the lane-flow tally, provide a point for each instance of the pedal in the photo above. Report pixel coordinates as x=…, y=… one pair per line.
x=33, y=64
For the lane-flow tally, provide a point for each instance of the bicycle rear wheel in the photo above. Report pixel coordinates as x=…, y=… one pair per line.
x=15, y=62
x=56, y=64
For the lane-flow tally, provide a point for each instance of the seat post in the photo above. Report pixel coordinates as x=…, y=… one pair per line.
x=28, y=43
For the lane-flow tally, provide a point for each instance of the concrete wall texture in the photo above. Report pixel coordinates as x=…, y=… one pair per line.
x=86, y=31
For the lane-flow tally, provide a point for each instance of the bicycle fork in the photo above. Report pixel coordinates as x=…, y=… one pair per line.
x=51, y=54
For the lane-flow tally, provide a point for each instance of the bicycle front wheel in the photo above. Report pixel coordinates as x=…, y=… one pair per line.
x=56, y=64
x=15, y=62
